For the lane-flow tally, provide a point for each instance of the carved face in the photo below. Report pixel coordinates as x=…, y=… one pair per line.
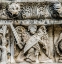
x=32, y=29
x=14, y=9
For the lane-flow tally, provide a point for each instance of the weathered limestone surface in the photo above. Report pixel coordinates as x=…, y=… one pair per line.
x=30, y=32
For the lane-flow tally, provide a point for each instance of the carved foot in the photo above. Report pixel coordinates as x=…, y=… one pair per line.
x=28, y=60
x=20, y=60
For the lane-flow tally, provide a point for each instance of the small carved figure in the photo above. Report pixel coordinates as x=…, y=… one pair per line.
x=27, y=12
x=40, y=11
x=32, y=47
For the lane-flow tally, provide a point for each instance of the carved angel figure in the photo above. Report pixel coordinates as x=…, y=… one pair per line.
x=32, y=47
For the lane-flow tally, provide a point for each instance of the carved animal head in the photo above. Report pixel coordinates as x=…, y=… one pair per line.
x=13, y=10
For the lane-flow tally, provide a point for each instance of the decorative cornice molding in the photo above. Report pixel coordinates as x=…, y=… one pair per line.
x=32, y=10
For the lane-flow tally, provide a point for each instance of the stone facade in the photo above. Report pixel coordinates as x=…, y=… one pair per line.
x=31, y=32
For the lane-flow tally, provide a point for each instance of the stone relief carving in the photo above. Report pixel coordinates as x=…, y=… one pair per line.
x=56, y=10
x=35, y=48
x=27, y=38
x=29, y=11
x=14, y=11
x=58, y=45
x=31, y=49
x=3, y=42
x=40, y=11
